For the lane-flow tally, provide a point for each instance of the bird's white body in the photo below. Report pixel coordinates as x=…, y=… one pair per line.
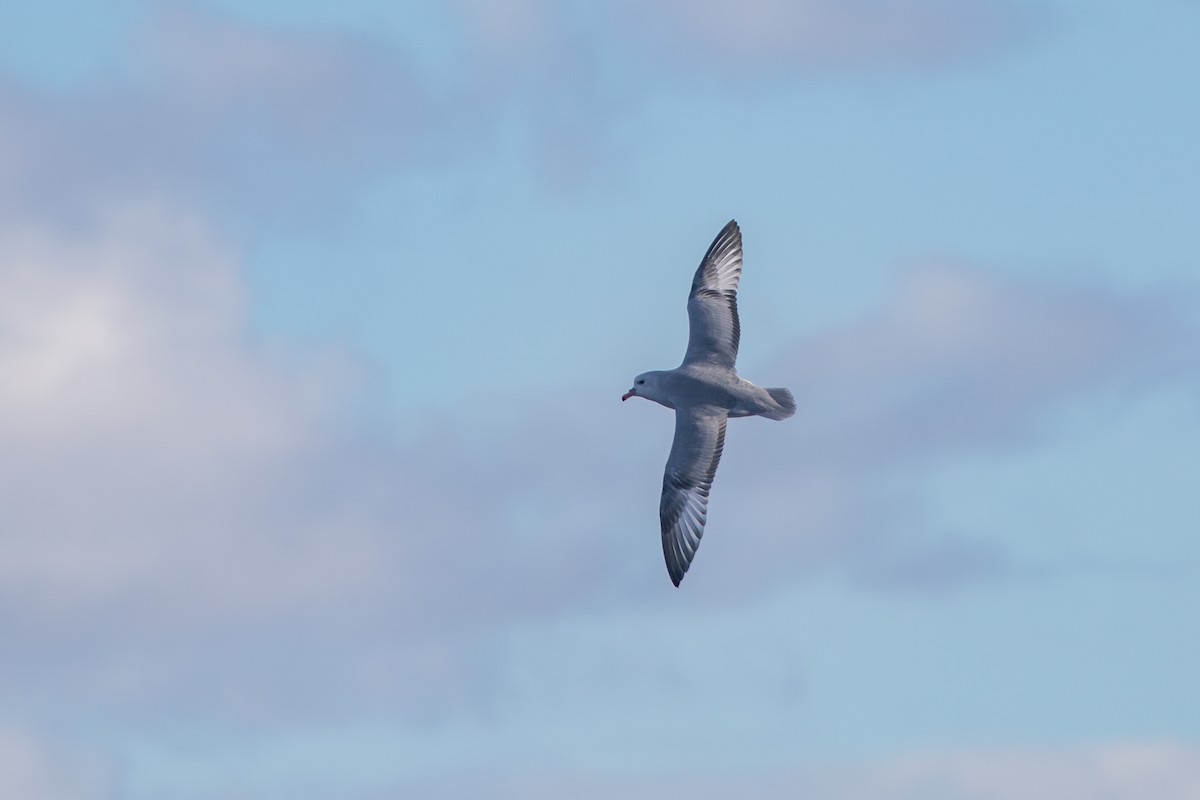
x=710, y=385
x=705, y=391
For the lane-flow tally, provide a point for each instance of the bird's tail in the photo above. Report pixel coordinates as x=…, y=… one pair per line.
x=786, y=404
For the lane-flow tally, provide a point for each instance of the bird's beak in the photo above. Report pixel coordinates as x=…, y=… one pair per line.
x=629, y=394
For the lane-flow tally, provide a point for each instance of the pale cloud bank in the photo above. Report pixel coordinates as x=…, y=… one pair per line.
x=39, y=768
x=186, y=504
x=1164, y=771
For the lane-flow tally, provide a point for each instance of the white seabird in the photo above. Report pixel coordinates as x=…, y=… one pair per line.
x=704, y=391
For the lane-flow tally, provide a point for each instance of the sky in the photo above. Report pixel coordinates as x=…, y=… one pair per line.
x=315, y=480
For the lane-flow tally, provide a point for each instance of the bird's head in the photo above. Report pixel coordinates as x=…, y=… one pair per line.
x=648, y=385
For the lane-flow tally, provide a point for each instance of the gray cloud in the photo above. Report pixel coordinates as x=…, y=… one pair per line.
x=37, y=767
x=573, y=70
x=225, y=114
x=823, y=34
x=958, y=358
x=281, y=123
x=763, y=35
x=955, y=361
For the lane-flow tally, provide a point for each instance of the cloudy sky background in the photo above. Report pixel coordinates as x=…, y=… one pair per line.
x=314, y=477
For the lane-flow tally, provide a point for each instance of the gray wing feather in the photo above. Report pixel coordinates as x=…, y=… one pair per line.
x=695, y=453
x=712, y=305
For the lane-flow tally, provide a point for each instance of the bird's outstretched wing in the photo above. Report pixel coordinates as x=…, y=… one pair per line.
x=712, y=305
x=695, y=453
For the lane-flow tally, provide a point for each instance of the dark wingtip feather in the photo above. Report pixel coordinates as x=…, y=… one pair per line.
x=729, y=237
x=677, y=565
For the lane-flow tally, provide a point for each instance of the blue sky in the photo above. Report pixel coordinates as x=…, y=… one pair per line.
x=314, y=476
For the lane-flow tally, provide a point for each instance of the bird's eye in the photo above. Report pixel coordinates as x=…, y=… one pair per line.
x=639, y=383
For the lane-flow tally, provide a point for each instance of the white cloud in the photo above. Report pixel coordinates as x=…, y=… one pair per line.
x=134, y=395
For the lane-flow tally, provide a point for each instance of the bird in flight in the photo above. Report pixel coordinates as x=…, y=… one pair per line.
x=704, y=391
